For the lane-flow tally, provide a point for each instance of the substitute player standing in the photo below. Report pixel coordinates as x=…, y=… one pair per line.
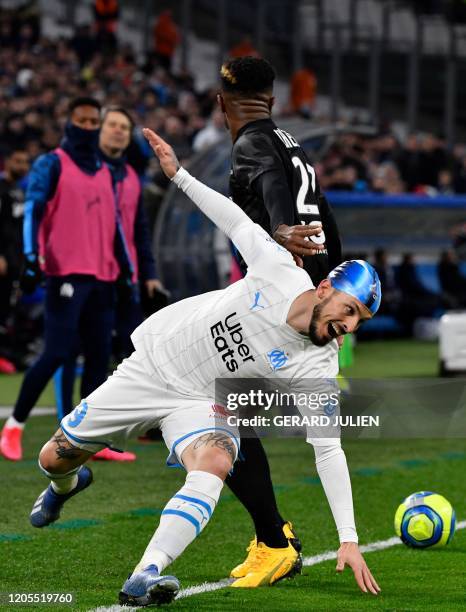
x=69, y=187
x=169, y=381
x=274, y=183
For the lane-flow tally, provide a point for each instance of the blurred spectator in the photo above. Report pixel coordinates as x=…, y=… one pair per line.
x=445, y=182
x=390, y=292
x=7, y=36
x=303, y=92
x=244, y=48
x=343, y=178
x=459, y=241
x=212, y=133
x=386, y=179
x=11, y=225
x=460, y=177
x=173, y=131
x=83, y=44
x=14, y=133
x=166, y=39
x=416, y=300
x=106, y=13
x=452, y=282
x=433, y=156
x=25, y=37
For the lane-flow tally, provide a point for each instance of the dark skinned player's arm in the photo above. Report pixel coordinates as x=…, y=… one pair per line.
x=273, y=189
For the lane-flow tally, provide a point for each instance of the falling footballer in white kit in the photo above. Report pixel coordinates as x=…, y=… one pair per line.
x=240, y=331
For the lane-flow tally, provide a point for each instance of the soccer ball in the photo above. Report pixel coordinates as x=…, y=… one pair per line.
x=425, y=519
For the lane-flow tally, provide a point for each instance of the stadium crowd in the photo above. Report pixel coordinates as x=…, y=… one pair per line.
x=384, y=164
x=39, y=78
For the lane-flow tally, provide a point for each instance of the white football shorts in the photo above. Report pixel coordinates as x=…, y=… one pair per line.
x=130, y=402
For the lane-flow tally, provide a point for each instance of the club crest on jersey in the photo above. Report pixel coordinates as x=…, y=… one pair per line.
x=277, y=359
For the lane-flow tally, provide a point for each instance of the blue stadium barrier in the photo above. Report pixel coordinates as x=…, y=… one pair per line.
x=352, y=199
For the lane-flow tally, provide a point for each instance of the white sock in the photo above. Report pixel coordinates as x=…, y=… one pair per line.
x=183, y=519
x=156, y=557
x=62, y=483
x=12, y=422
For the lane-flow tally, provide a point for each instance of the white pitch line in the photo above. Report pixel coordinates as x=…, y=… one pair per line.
x=5, y=411
x=207, y=587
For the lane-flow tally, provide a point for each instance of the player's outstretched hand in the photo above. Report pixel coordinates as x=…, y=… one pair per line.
x=167, y=158
x=295, y=238
x=348, y=554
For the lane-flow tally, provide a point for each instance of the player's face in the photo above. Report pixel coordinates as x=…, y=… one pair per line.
x=86, y=117
x=336, y=315
x=115, y=132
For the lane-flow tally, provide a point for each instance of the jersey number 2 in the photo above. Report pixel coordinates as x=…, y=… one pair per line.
x=303, y=208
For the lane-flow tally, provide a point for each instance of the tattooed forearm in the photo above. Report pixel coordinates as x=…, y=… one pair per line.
x=63, y=449
x=217, y=440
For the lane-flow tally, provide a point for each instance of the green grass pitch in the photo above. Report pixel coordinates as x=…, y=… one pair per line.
x=103, y=532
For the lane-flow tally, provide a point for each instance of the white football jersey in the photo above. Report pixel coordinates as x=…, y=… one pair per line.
x=240, y=331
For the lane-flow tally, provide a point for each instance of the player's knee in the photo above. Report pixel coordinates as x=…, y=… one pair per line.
x=58, y=455
x=48, y=460
x=217, y=461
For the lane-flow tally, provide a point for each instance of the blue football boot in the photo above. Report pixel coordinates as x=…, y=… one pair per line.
x=148, y=588
x=48, y=505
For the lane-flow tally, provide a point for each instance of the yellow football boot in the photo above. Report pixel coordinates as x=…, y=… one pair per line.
x=267, y=566
x=245, y=567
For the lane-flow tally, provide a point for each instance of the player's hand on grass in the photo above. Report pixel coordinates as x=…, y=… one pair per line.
x=348, y=554
x=167, y=158
x=295, y=238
